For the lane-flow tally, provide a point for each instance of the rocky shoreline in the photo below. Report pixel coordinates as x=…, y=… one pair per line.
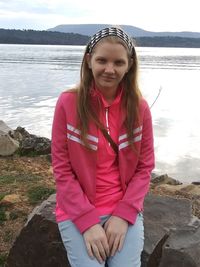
x=20, y=141
x=20, y=147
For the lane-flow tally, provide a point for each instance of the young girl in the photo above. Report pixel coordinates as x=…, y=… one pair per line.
x=102, y=156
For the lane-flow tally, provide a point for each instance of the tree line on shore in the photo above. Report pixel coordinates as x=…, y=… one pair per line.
x=59, y=38
x=41, y=37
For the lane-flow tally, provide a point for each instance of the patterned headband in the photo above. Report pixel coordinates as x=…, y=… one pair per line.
x=112, y=31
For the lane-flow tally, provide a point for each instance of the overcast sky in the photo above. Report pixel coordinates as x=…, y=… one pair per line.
x=152, y=15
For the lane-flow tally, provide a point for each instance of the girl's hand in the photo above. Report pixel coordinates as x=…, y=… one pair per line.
x=116, y=229
x=96, y=243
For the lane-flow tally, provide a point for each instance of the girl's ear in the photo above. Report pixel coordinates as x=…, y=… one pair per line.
x=88, y=59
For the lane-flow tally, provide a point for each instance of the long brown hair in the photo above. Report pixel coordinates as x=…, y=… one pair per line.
x=131, y=95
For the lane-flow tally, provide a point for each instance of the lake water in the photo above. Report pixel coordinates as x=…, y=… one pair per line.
x=32, y=77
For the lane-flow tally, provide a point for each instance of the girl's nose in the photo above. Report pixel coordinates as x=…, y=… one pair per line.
x=109, y=68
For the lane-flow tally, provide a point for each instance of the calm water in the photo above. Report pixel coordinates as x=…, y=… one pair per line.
x=32, y=77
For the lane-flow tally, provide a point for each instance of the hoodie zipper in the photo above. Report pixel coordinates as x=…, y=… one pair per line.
x=107, y=123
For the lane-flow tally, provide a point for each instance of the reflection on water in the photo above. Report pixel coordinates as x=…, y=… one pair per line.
x=161, y=126
x=186, y=169
x=32, y=77
x=169, y=58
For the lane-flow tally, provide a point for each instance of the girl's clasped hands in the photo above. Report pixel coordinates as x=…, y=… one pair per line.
x=104, y=241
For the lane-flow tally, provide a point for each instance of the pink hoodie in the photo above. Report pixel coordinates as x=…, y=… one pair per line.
x=75, y=166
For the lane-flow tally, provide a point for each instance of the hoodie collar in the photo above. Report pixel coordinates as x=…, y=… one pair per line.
x=96, y=93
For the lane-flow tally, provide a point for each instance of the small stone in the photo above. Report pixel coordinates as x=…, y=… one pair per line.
x=196, y=183
x=10, y=200
x=50, y=170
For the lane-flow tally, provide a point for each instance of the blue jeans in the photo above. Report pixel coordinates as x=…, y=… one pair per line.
x=129, y=256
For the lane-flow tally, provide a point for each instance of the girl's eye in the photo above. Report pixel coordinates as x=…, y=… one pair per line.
x=101, y=60
x=119, y=63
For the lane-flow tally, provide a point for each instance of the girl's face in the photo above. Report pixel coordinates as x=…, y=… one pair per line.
x=109, y=63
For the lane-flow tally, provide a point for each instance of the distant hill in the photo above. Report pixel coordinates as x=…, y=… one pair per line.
x=90, y=29
x=60, y=38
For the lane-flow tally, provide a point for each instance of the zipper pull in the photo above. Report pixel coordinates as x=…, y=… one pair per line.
x=107, y=123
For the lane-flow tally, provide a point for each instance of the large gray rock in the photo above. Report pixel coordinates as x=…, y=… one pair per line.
x=171, y=236
x=8, y=146
x=4, y=128
x=164, y=218
x=19, y=133
x=35, y=145
x=31, y=144
x=161, y=215
x=21, y=141
x=182, y=247
x=39, y=243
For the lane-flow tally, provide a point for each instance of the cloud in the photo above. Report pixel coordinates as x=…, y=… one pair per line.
x=24, y=6
x=152, y=15
x=59, y=7
x=38, y=14
x=25, y=20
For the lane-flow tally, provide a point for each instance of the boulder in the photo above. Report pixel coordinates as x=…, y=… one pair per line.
x=30, y=143
x=35, y=145
x=8, y=146
x=171, y=236
x=182, y=247
x=4, y=128
x=19, y=133
x=20, y=140
x=39, y=243
x=163, y=218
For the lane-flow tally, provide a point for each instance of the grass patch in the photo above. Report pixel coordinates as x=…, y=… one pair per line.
x=11, y=179
x=7, y=179
x=30, y=154
x=3, y=258
x=13, y=215
x=2, y=215
x=39, y=193
x=2, y=195
x=8, y=236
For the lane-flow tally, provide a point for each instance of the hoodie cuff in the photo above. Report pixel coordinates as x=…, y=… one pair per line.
x=126, y=212
x=87, y=220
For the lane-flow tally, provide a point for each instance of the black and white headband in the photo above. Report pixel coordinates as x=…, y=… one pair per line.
x=112, y=31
